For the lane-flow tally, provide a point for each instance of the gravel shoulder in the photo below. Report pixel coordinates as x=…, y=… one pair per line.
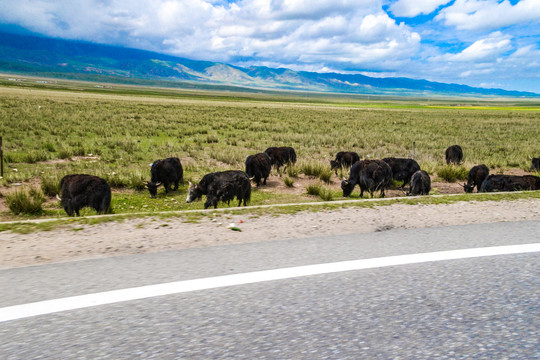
x=148, y=235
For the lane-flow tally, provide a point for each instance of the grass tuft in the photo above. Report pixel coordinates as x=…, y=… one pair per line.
x=314, y=189
x=50, y=183
x=451, y=173
x=26, y=202
x=288, y=182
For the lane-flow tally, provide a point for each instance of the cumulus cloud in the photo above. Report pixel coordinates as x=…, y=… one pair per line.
x=412, y=8
x=497, y=60
x=340, y=34
x=488, y=49
x=489, y=14
x=325, y=35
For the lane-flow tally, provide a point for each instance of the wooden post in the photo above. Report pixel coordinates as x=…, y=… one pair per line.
x=413, y=148
x=1, y=159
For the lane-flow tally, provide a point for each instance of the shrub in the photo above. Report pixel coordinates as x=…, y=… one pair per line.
x=321, y=191
x=50, y=184
x=326, y=194
x=451, y=173
x=136, y=181
x=326, y=175
x=212, y=139
x=317, y=169
x=79, y=151
x=35, y=156
x=49, y=146
x=314, y=189
x=292, y=171
x=26, y=202
x=288, y=182
x=65, y=153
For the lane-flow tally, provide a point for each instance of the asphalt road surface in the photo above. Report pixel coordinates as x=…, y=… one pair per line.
x=481, y=307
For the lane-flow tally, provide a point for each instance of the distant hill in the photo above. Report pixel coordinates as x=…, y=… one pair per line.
x=34, y=55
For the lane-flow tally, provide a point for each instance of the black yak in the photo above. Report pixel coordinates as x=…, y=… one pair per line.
x=280, y=156
x=510, y=183
x=454, y=155
x=476, y=177
x=258, y=167
x=221, y=186
x=535, y=164
x=166, y=171
x=81, y=190
x=370, y=175
x=420, y=183
x=344, y=159
x=402, y=169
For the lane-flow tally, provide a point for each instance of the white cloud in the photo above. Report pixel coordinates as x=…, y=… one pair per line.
x=412, y=8
x=489, y=14
x=488, y=49
x=326, y=33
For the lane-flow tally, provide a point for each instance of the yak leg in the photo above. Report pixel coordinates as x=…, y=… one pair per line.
x=166, y=187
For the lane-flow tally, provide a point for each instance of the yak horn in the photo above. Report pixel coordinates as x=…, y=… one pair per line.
x=58, y=197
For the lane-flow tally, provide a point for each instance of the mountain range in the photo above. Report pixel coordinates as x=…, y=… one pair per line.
x=41, y=56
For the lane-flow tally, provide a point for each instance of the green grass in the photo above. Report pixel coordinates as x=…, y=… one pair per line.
x=195, y=217
x=130, y=128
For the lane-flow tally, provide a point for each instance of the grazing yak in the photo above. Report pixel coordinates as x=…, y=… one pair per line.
x=402, y=169
x=81, y=190
x=165, y=171
x=420, y=183
x=510, y=183
x=535, y=166
x=454, y=155
x=476, y=177
x=344, y=159
x=280, y=156
x=370, y=175
x=221, y=186
x=258, y=167
x=195, y=192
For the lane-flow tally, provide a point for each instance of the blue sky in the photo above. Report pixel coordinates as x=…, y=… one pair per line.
x=486, y=43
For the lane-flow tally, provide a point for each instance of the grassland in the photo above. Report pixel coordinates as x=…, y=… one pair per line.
x=116, y=133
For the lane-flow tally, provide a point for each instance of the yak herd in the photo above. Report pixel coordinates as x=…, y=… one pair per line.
x=81, y=190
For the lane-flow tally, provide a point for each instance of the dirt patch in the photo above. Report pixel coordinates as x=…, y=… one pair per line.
x=140, y=236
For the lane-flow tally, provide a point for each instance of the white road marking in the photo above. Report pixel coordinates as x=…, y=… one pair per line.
x=109, y=297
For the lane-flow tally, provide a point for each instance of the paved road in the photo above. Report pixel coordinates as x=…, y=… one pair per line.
x=482, y=308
